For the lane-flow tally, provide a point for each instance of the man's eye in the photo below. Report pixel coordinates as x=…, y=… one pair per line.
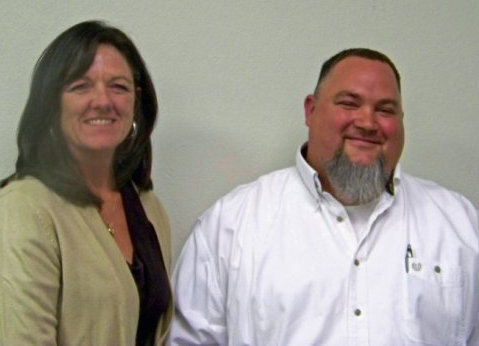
x=389, y=111
x=348, y=104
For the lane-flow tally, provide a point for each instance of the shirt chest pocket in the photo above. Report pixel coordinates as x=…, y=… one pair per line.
x=434, y=304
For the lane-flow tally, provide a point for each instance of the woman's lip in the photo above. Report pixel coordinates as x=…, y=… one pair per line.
x=99, y=121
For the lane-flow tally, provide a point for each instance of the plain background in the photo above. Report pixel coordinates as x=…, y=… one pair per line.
x=231, y=77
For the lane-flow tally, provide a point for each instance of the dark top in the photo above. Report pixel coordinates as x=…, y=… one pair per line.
x=147, y=268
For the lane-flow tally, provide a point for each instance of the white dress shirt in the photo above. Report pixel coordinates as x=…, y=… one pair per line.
x=277, y=262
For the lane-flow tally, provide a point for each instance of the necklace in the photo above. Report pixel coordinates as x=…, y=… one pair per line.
x=110, y=229
x=110, y=214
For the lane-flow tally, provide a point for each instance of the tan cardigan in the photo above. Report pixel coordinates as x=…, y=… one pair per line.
x=64, y=281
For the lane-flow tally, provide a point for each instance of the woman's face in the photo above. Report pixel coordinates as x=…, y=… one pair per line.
x=97, y=109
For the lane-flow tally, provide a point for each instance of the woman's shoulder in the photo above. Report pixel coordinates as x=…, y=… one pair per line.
x=27, y=190
x=28, y=199
x=152, y=205
x=27, y=205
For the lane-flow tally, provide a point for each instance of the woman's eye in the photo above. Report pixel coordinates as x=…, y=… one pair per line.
x=120, y=87
x=77, y=86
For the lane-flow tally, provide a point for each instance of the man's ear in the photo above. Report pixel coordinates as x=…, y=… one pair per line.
x=309, y=108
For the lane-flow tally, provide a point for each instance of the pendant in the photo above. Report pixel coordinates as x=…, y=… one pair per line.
x=110, y=229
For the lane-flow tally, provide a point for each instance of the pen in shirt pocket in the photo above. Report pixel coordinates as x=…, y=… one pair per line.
x=409, y=255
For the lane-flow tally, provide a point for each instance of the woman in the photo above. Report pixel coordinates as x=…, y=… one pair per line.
x=84, y=244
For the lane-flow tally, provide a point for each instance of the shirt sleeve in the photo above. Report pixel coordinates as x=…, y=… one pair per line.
x=474, y=338
x=29, y=273
x=200, y=309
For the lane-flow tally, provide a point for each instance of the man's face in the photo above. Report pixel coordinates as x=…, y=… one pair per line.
x=357, y=111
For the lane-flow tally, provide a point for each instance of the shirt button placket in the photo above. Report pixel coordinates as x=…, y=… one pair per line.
x=358, y=302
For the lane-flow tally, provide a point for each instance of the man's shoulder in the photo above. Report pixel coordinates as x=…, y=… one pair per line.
x=269, y=182
x=424, y=190
x=429, y=186
x=269, y=185
x=269, y=188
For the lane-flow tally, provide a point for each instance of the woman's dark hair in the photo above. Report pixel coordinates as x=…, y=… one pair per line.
x=43, y=151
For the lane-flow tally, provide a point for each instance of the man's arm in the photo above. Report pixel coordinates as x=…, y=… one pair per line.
x=200, y=303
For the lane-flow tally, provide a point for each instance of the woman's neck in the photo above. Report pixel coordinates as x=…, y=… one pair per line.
x=98, y=174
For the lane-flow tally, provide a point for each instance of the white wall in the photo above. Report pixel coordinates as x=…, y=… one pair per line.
x=231, y=78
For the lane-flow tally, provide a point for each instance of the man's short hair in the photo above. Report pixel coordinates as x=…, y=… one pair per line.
x=359, y=52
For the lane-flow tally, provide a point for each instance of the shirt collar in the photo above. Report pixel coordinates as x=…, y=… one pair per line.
x=308, y=175
x=311, y=180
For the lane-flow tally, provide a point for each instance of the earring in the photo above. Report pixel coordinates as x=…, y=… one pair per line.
x=134, y=130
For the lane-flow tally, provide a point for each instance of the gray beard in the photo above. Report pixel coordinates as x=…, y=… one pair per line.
x=356, y=184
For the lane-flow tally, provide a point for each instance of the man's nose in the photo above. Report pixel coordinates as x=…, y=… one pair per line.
x=366, y=119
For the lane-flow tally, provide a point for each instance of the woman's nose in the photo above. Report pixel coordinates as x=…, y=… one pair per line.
x=101, y=98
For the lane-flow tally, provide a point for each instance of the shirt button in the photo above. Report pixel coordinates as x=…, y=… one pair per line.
x=416, y=266
x=356, y=262
x=357, y=312
x=437, y=269
x=339, y=218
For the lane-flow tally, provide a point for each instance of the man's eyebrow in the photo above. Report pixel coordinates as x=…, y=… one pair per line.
x=391, y=102
x=351, y=94
x=346, y=93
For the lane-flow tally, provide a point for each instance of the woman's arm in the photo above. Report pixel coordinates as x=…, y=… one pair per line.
x=30, y=272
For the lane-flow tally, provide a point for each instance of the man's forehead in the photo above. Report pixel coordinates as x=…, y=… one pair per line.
x=360, y=70
x=357, y=64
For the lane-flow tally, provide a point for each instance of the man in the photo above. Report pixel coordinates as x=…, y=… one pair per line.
x=344, y=248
